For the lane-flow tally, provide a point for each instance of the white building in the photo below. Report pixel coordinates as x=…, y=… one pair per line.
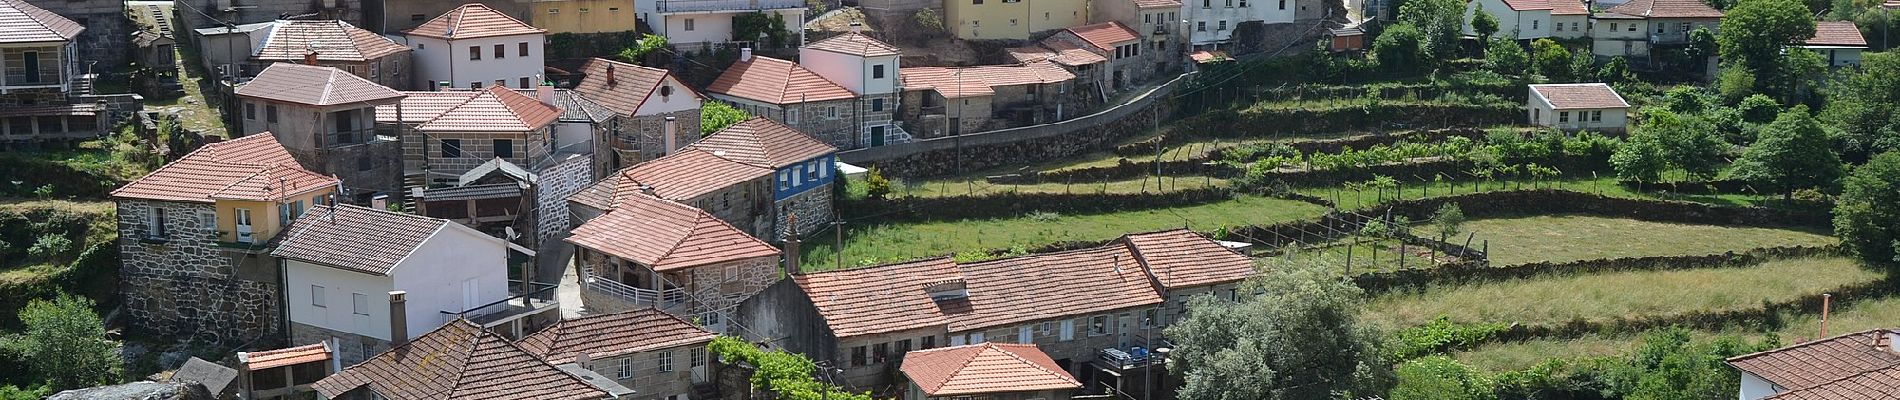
x=1517, y=19
x=1569, y=19
x=362, y=278
x=868, y=68
x=1578, y=106
x=474, y=46
x=701, y=23
x=1211, y=23
x=1859, y=365
x=1839, y=41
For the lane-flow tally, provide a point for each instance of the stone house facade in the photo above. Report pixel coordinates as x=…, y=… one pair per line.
x=658, y=355
x=448, y=133
x=802, y=172
x=332, y=43
x=648, y=103
x=326, y=118
x=1129, y=62
x=107, y=31
x=684, y=261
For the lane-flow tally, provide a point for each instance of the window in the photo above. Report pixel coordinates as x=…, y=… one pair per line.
x=1661, y=27
x=1534, y=24
x=1223, y=26
x=270, y=113
x=877, y=105
x=156, y=224
x=474, y=52
x=880, y=352
x=732, y=271
x=475, y=85
x=250, y=111
x=359, y=304
x=584, y=10
x=1025, y=335
x=710, y=318
x=317, y=296
x=976, y=2
x=420, y=17
x=956, y=340
x=1686, y=27
x=1200, y=26
x=1613, y=27
x=927, y=342
x=505, y=148
x=857, y=356
x=501, y=52
x=1596, y=116
x=345, y=127
x=666, y=361
x=1228, y=4
x=550, y=11
x=824, y=169
x=1098, y=325
x=797, y=176
x=1283, y=4
x=1563, y=117
x=791, y=116
x=1632, y=27
x=1573, y=27
x=1243, y=3
x=613, y=9
x=1045, y=16
x=698, y=357
x=526, y=84
x=976, y=337
x=688, y=24
x=1207, y=3
x=784, y=180
x=1068, y=330
x=501, y=83
x=623, y=368
x=521, y=49
x=831, y=112
x=1150, y=318
x=877, y=71
x=451, y=148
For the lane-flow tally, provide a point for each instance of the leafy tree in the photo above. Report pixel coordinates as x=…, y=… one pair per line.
x=928, y=18
x=875, y=185
x=65, y=342
x=1550, y=59
x=1670, y=366
x=1758, y=109
x=1865, y=105
x=1702, y=44
x=1484, y=24
x=788, y=375
x=1583, y=67
x=50, y=247
x=751, y=26
x=1299, y=339
x=1442, y=23
x=1735, y=82
x=714, y=116
x=1441, y=378
x=1687, y=100
x=1867, y=214
x=640, y=49
x=1449, y=220
x=1617, y=70
x=1504, y=56
x=1792, y=153
x=1640, y=159
x=1795, y=75
x=1400, y=46
x=1754, y=32
x=1688, y=142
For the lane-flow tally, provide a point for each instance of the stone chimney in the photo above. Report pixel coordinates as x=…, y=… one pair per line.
x=610, y=74
x=745, y=54
x=398, y=318
x=669, y=136
x=791, y=245
x=310, y=57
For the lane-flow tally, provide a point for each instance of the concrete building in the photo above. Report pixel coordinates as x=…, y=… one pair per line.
x=1158, y=22
x=1211, y=24
x=326, y=117
x=193, y=232
x=987, y=371
x=1569, y=19
x=658, y=355
x=1017, y=19
x=1619, y=35
x=365, y=279
x=1863, y=364
x=474, y=46
x=1077, y=59
x=1657, y=23
x=1839, y=41
x=650, y=252
x=40, y=51
x=700, y=24
x=1517, y=19
x=653, y=112
x=462, y=361
x=583, y=16
x=1578, y=106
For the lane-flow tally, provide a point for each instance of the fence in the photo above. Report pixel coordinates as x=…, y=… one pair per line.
x=663, y=299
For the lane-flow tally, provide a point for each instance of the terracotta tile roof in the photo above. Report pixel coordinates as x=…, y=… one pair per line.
x=1667, y=9
x=316, y=86
x=1567, y=96
x=1067, y=283
x=775, y=81
x=764, y=143
x=985, y=368
x=1821, y=361
x=473, y=20
x=1147, y=4
x=1056, y=51
x=853, y=43
x=1877, y=384
x=420, y=107
x=1105, y=35
x=356, y=238
x=611, y=335
x=460, y=361
x=236, y=164
x=495, y=109
x=945, y=81
x=600, y=194
x=881, y=299
x=1527, y=5
x=1032, y=73
x=1183, y=258
x=23, y=22
x=621, y=87
x=1568, y=7
x=1836, y=33
x=258, y=360
x=687, y=175
x=332, y=40
x=667, y=236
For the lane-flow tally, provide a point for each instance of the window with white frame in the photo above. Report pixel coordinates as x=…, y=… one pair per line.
x=698, y=357
x=976, y=337
x=791, y=116
x=1098, y=325
x=1068, y=330
x=1024, y=334
x=732, y=272
x=317, y=296
x=1150, y=318
x=623, y=368
x=666, y=361
x=156, y=224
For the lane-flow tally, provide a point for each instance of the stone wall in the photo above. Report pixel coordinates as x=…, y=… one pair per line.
x=648, y=381
x=108, y=35
x=645, y=134
x=187, y=285
x=554, y=182
x=218, y=12
x=350, y=348
x=382, y=158
x=813, y=208
x=713, y=290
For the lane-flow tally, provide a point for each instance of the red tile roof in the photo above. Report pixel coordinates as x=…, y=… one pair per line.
x=775, y=81
x=1569, y=96
x=1031, y=73
x=686, y=175
x=420, y=107
x=1059, y=52
x=332, y=40
x=622, y=87
x=612, y=335
x=494, y=109
x=473, y=20
x=258, y=360
x=316, y=86
x=1822, y=361
x=667, y=236
x=1836, y=33
x=1877, y=384
x=764, y=143
x=23, y=22
x=853, y=43
x=600, y=194
x=947, y=82
x=985, y=368
x=1067, y=283
x=1183, y=258
x=881, y=299
x=358, y=239
x=1568, y=7
x=1147, y=4
x=1105, y=35
x=240, y=169
x=1527, y=5
x=459, y=361
x=1667, y=9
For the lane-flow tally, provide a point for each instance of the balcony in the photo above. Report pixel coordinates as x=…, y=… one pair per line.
x=1137, y=355
x=535, y=298
x=682, y=6
x=46, y=77
x=667, y=299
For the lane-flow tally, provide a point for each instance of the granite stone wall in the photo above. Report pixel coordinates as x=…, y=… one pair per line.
x=108, y=35
x=187, y=285
x=554, y=183
x=350, y=348
x=813, y=208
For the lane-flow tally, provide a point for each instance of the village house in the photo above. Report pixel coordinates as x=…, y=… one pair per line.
x=193, y=236
x=281, y=372
x=474, y=46
x=1007, y=96
x=1619, y=35
x=225, y=50
x=986, y=371
x=582, y=16
x=802, y=171
x=1000, y=19
x=491, y=198
x=701, y=24
x=1157, y=21
x=448, y=133
x=1129, y=62
x=843, y=91
x=1578, y=106
x=649, y=252
x=653, y=113
x=460, y=360
x=754, y=175
x=1640, y=25
x=1839, y=41
x=940, y=102
x=363, y=278
x=1859, y=365
x=333, y=43
x=863, y=320
x=325, y=117
x=40, y=54
x=657, y=355
x=1569, y=19
x=1517, y=19
x=866, y=67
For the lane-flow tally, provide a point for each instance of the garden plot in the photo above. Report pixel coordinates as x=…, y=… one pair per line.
x=1576, y=237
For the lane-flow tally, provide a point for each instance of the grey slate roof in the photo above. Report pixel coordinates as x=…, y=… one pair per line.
x=354, y=238
x=577, y=108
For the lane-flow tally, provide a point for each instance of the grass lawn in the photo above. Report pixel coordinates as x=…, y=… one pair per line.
x=1371, y=255
x=942, y=188
x=1575, y=237
x=867, y=245
x=1632, y=294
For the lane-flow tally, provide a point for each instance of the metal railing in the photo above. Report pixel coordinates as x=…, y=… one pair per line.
x=658, y=298
x=540, y=297
x=669, y=6
x=45, y=77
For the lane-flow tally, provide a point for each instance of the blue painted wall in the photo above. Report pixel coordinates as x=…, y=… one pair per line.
x=791, y=180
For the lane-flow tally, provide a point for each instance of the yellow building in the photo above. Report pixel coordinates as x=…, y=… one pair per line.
x=1011, y=19
x=246, y=189
x=582, y=16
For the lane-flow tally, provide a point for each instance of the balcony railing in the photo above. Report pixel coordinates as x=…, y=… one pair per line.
x=46, y=77
x=537, y=299
x=674, y=6
x=662, y=299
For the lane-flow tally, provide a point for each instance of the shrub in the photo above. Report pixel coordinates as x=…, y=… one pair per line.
x=1449, y=220
x=49, y=247
x=714, y=116
x=65, y=343
x=1441, y=378
x=875, y=185
x=1867, y=215
x=1504, y=56
x=790, y=376
x=1439, y=335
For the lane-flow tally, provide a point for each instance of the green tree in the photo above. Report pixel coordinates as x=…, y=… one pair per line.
x=1484, y=24
x=714, y=116
x=759, y=25
x=1442, y=22
x=1795, y=76
x=1758, y=109
x=1688, y=142
x=65, y=342
x=1550, y=59
x=1617, y=70
x=1400, y=46
x=1735, y=82
x=1792, y=153
x=1449, y=220
x=1640, y=158
x=1754, y=32
x=1867, y=214
x=1865, y=104
x=928, y=18
x=638, y=52
x=789, y=376
x=1439, y=377
x=1299, y=339
x=875, y=185
x=1702, y=44
x=1670, y=366
x=1504, y=56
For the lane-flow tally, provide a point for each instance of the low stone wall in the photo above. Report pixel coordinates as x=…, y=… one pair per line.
x=1417, y=278
x=1013, y=204
x=1358, y=117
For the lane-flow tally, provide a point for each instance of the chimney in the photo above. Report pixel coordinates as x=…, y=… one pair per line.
x=544, y=93
x=791, y=245
x=856, y=26
x=398, y=318
x=745, y=54
x=310, y=57
x=610, y=74
x=1827, y=301
x=669, y=141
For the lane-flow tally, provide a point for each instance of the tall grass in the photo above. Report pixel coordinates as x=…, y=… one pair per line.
x=1576, y=237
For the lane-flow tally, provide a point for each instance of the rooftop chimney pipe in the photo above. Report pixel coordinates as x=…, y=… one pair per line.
x=670, y=142
x=398, y=318
x=745, y=54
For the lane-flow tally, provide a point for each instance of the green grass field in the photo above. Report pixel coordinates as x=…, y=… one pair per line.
x=1420, y=187
x=1632, y=294
x=1371, y=255
x=866, y=245
x=1575, y=237
x=977, y=187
